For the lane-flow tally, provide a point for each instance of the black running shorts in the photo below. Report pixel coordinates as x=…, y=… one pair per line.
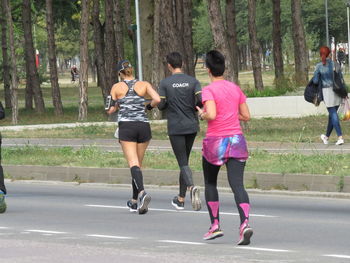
x=134, y=131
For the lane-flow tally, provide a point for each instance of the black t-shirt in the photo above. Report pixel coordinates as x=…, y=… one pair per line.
x=180, y=90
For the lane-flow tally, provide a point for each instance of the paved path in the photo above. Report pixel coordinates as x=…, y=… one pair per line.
x=71, y=223
x=164, y=145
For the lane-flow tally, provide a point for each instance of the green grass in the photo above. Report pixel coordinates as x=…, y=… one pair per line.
x=306, y=129
x=259, y=161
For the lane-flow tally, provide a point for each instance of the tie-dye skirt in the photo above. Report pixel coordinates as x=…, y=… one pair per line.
x=218, y=149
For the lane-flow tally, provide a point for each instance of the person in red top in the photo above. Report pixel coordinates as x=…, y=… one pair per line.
x=224, y=107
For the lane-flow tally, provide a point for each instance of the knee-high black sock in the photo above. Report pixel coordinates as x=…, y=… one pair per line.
x=137, y=178
x=134, y=191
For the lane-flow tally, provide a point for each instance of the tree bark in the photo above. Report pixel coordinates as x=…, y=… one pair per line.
x=110, y=53
x=119, y=32
x=146, y=27
x=55, y=88
x=14, y=81
x=128, y=20
x=30, y=56
x=254, y=45
x=99, y=49
x=277, y=42
x=301, y=55
x=232, y=36
x=84, y=63
x=187, y=37
x=5, y=60
x=220, y=36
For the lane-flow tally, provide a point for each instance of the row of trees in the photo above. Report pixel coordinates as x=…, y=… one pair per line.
x=100, y=32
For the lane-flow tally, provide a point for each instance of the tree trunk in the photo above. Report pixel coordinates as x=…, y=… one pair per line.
x=14, y=82
x=5, y=60
x=56, y=94
x=277, y=42
x=128, y=20
x=146, y=30
x=30, y=56
x=187, y=37
x=220, y=36
x=157, y=73
x=156, y=58
x=84, y=63
x=29, y=95
x=254, y=45
x=99, y=49
x=301, y=55
x=119, y=32
x=110, y=54
x=167, y=33
x=232, y=36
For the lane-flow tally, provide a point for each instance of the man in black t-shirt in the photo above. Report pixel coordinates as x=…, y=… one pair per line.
x=180, y=94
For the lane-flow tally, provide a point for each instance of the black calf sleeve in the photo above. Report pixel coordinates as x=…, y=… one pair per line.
x=137, y=178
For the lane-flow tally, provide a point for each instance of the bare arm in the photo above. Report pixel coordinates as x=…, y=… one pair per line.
x=153, y=94
x=209, y=112
x=244, y=114
x=114, y=97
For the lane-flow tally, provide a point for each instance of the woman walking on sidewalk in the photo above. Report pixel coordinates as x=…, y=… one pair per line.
x=134, y=129
x=224, y=107
x=324, y=74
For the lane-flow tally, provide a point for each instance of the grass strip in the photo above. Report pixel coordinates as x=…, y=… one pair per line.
x=259, y=161
x=306, y=129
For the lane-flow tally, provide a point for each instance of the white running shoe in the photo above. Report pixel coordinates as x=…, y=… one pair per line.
x=324, y=138
x=339, y=142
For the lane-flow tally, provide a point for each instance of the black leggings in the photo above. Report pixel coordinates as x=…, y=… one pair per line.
x=235, y=171
x=2, y=183
x=182, y=146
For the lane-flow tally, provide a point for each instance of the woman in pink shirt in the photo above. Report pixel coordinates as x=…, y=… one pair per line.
x=224, y=107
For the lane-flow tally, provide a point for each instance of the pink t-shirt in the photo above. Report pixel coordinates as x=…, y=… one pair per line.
x=227, y=96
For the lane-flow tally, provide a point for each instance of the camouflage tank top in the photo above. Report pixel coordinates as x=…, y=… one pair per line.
x=132, y=106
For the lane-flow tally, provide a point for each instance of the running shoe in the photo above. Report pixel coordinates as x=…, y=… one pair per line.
x=195, y=199
x=132, y=205
x=214, y=232
x=245, y=233
x=144, y=200
x=2, y=203
x=339, y=142
x=324, y=138
x=177, y=204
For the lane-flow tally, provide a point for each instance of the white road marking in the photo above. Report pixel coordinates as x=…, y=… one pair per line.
x=337, y=256
x=265, y=249
x=4, y=227
x=175, y=211
x=45, y=231
x=181, y=242
x=112, y=237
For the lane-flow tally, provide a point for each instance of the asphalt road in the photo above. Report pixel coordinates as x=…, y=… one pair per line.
x=164, y=145
x=90, y=223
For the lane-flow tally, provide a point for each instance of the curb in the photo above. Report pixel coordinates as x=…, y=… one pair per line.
x=259, y=182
